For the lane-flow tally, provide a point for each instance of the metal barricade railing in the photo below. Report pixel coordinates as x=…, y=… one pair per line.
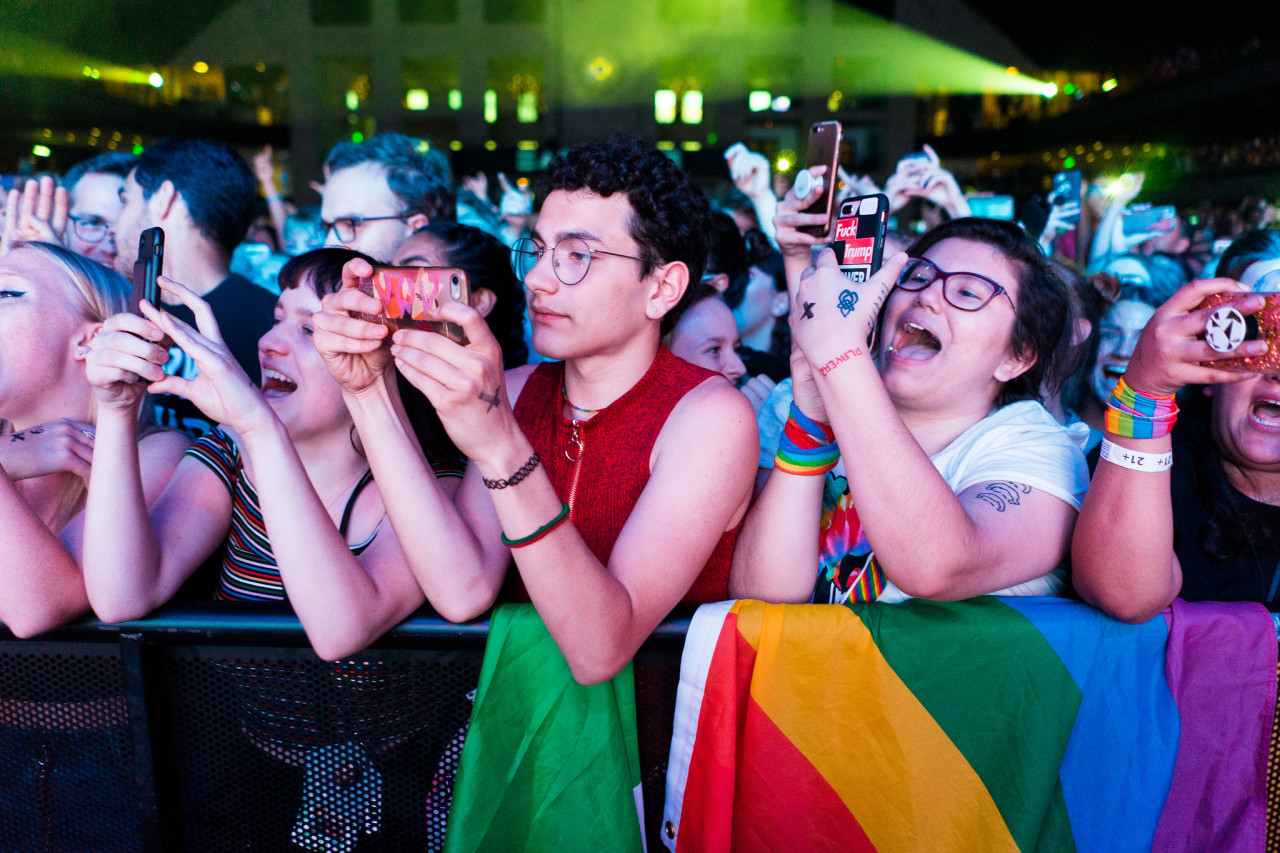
x=215, y=727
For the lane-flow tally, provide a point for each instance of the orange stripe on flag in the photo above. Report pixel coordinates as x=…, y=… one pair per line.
x=893, y=767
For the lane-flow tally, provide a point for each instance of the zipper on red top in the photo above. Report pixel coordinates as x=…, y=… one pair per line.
x=573, y=452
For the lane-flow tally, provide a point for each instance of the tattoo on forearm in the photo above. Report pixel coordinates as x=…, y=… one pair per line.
x=808, y=311
x=1002, y=495
x=846, y=302
x=492, y=399
x=838, y=360
x=22, y=436
x=879, y=301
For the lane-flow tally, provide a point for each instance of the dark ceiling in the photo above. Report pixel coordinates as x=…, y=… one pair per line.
x=1128, y=34
x=126, y=32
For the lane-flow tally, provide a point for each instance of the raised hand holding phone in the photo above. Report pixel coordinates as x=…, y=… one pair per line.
x=126, y=355
x=221, y=389
x=465, y=383
x=1172, y=351
x=823, y=162
x=832, y=319
x=354, y=350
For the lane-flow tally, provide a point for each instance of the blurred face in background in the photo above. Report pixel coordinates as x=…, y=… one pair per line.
x=708, y=337
x=95, y=207
x=1117, y=335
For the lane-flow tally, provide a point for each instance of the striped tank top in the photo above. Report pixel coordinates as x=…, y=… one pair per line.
x=249, y=570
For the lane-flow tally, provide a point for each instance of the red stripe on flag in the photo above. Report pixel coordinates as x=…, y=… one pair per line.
x=803, y=804
x=800, y=804
x=708, y=793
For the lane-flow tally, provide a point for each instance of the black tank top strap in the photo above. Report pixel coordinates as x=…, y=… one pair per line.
x=351, y=502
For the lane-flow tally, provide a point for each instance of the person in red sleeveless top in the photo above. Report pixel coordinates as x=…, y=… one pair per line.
x=619, y=478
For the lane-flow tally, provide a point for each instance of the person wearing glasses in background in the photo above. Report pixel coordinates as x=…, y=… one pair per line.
x=620, y=475
x=80, y=214
x=378, y=192
x=201, y=192
x=933, y=427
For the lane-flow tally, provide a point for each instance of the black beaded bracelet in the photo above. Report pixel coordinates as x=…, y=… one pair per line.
x=525, y=470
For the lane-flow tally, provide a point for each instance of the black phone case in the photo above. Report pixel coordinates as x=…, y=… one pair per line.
x=150, y=265
x=859, y=235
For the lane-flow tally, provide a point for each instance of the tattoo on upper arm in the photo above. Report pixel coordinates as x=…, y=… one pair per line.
x=808, y=311
x=1002, y=495
x=492, y=399
x=846, y=302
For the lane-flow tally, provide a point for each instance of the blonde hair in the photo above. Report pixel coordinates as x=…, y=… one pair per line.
x=95, y=292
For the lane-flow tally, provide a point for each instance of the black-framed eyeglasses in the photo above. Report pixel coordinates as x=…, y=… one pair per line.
x=967, y=291
x=90, y=229
x=347, y=226
x=570, y=258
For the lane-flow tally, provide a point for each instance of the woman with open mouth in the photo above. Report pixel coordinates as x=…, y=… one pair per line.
x=1185, y=501
x=63, y=783
x=921, y=455
x=53, y=303
x=283, y=482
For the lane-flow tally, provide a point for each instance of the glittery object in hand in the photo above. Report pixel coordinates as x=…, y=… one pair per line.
x=1268, y=319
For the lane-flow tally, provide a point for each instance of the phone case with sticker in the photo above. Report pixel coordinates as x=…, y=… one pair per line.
x=411, y=297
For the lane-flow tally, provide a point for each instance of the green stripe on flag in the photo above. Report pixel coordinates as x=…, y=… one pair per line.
x=548, y=764
x=1000, y=693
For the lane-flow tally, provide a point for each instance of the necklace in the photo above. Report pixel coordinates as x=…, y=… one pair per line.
x=564, y=394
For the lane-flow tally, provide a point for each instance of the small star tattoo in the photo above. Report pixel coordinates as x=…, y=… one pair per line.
x=492, y=399
x=808, y=311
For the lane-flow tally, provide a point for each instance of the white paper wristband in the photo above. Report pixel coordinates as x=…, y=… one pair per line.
x=1135, y=461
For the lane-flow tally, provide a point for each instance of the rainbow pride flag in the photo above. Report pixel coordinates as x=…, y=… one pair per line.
x=994, y=724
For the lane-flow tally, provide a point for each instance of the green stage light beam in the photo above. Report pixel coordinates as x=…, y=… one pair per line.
x=855, y=52
x=23, y=56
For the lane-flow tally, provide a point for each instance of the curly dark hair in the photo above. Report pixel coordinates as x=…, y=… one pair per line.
x=670, y=216
x=1041, y=328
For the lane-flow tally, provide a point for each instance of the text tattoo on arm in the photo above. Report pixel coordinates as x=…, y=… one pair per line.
x=838, y=360
x=1003, y=495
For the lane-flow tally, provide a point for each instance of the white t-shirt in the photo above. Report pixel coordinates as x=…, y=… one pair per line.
x=1019, y=443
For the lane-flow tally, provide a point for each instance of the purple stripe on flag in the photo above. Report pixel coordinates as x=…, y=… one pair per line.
x=1221, y=668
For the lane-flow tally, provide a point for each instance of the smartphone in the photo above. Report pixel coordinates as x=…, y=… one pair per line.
x=1226, y=329
x=1066, y=188
x=1146, y=219
x=824, y=150
x=859, y=235
x=992, y=206
x=149, y=265
x=411, y=297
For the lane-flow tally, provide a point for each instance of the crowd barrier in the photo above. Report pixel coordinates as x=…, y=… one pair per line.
x=212, y=727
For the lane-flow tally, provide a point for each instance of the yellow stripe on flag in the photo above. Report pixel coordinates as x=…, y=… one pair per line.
x=847, y=711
